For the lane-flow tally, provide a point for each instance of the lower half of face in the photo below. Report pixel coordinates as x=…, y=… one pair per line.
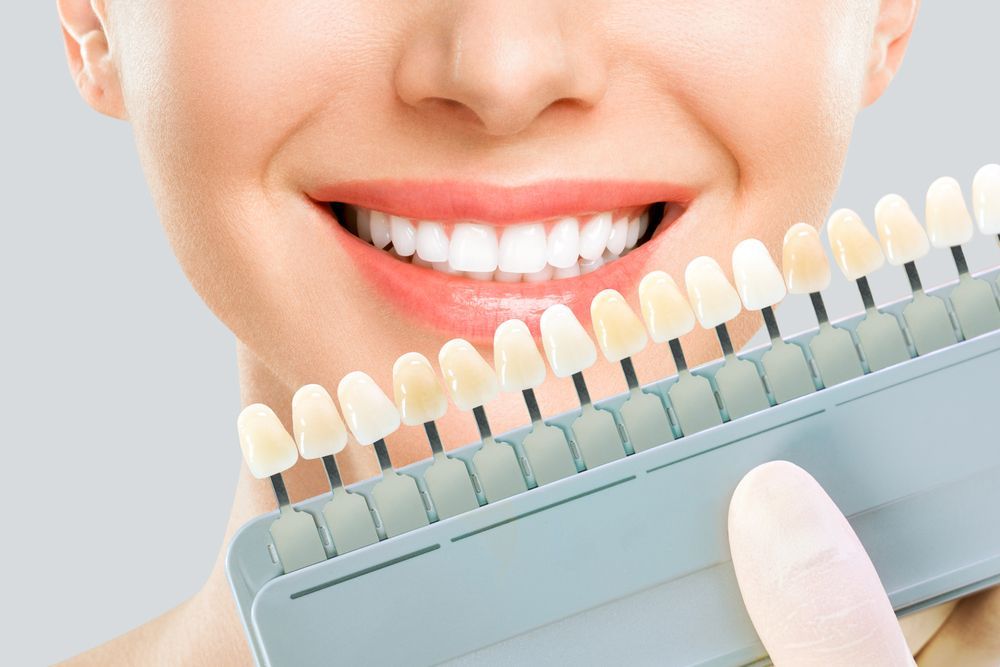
x=345, y=182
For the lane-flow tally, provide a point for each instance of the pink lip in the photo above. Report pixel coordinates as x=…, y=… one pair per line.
x=472, y=309
x=455, y=200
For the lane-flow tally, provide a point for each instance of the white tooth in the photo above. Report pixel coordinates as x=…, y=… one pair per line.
x=619, y=234
x=416, y=261
x=609, y=256
x=432, y=242
x=319, y=430
x=518, y=364
x=540, y=276
x=267, y=447
x=947, y=217
x=594, y=236
x=505, y=277
x=568, y=347
x=522, y=249
x=404, y=235
x=363, y=217
x=643, y=224
x=473, y=248
x=445, y=267
x=569, y=272
x=563, y=248
x=714, y=299
x=479, y=275
x=855, y=249
x=378, y=222
x=633, y=234
x=757, y=277
x=467, y=375
x=367, y=410
x=590, y=265
x=619, y=330
x=903, y=239
x=986, y=198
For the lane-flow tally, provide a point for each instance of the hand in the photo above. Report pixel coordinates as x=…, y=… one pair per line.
x=813, y=594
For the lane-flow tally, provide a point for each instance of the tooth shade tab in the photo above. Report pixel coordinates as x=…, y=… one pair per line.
x=902, y=237
x=522, y=249
x=469, y=378
x=803, y=260
x=417, y=391
x=986, y=199
x=567, y=346
x=369, y=413
x=713, y=298
x=267, y=447
x=518, y=362
x=319, y=431
x=473, y=248
x=758, y=279
x=855, y=249
x=619, y=330
x=948, y=221
x=666, y=310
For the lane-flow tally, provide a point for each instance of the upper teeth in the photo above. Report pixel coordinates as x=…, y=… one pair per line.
x=531, y=251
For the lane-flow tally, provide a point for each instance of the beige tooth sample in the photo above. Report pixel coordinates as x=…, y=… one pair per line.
x=902, y=237
x=469, y=378
x=803, y=260
x=855, y=250
x=519, y=365
x=666, y=310
x=421, y=401
x=473, y=384
x=619, y=331
x=947, y=217
x=417, y=390
x=567, y=346
x=520, y=368
x=757, y=278
x=319, y=430
x=714, y=299
x=986, y=198
x=369, y=413
x=267, y=447
x=269, y=450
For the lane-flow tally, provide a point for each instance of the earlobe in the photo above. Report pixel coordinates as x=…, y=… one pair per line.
x=89, y=55
x=893, y=27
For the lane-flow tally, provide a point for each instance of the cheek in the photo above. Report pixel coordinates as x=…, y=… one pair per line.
x=778, y=83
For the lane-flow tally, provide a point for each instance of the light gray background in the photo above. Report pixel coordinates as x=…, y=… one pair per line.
x=119, y=387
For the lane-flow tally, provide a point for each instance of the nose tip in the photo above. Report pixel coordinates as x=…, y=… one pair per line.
x=500, y=65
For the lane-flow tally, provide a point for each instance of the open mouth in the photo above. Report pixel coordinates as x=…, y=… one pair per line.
x=530, y=251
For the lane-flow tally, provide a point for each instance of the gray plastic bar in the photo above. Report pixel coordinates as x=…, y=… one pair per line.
x=629, y=561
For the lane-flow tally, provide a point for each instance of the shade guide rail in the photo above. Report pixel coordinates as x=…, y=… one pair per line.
x=399, y=503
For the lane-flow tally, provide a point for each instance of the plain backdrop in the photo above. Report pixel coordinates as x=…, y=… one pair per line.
x=119, y=388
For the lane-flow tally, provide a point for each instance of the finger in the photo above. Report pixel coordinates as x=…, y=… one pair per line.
x=971, y=635
x=808, y=585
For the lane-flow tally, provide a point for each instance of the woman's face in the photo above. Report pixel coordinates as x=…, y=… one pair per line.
x=253, y=117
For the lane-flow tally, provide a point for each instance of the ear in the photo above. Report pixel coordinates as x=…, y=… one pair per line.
x=89, y=55
x=893, y=27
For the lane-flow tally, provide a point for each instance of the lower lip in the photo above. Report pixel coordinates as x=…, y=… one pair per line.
x=472, y=309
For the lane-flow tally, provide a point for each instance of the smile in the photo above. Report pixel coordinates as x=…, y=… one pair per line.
x=464, y=257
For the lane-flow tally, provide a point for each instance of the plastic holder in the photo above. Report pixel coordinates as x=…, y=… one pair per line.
x=629, y=560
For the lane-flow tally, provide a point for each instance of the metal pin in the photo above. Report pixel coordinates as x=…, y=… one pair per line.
x=866, y=294
x=678, y=354
x=581, y=389
x=914, y=277
x=773, y=332
x=629, y=371
x=483, y=424
x=382, y=451
x=532, y=404
x=959, y=256
x=280, y=492
x=819, y=307
x=332, y=472
x=725, y=341
x=433, y=437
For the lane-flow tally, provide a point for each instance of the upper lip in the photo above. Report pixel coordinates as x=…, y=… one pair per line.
x=444, y=200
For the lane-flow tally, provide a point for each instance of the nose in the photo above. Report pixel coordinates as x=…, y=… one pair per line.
x=500, y=63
